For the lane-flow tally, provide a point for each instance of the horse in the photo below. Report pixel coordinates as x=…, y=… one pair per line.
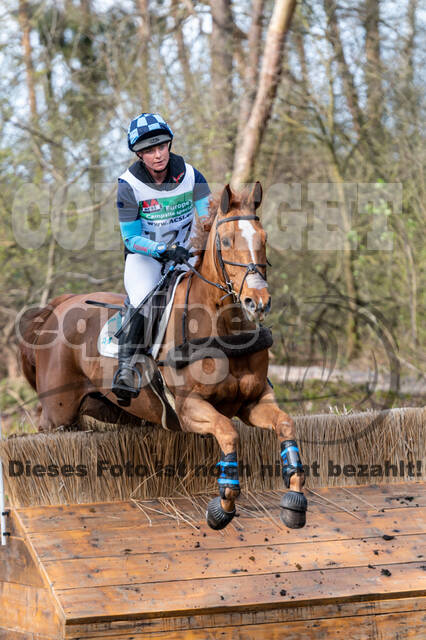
x=224, y=293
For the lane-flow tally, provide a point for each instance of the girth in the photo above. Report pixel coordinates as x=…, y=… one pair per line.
x=229, y=346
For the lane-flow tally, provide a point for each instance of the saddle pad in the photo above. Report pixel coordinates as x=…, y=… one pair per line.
x=108, y=343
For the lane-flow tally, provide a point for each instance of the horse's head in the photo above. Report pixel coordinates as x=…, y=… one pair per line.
x=240, y=251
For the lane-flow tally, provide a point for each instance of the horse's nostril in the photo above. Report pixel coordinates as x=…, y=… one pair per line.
x=268, y=305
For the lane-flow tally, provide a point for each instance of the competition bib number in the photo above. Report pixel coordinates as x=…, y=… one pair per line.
x=172, y=235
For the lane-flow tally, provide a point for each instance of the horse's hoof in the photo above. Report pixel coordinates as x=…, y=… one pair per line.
x=217, y=518
x=293, y=509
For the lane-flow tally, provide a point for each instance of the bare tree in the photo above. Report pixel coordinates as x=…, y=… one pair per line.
x=221, y=77
x=178, y=15
x=267, y=88
x=24, y=21
x=144, y=32
x=373, y=65
x=251, y=64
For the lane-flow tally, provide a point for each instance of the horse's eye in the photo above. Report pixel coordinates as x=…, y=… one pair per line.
x=226, y=242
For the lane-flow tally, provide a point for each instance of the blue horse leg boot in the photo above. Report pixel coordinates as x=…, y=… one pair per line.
x=228, y=465
x=131, y=339
x=217, y=517
x=291, y=460
x=293, y=503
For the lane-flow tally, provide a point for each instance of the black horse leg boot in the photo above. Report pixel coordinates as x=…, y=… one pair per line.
x=130, y=340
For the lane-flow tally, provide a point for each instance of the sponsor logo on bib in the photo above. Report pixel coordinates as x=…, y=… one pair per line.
x=168, y=208
x=149, y=206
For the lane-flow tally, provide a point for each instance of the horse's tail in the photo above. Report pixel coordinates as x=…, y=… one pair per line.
x=30, y=325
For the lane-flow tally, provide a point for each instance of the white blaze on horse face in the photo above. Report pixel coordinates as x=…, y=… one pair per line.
x=254, y=280
x=248, y=232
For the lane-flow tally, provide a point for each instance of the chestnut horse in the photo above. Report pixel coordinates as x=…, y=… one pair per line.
x=227, y=293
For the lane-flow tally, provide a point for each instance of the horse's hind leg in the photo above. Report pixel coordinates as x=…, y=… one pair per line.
x=60, y=403
x=199, y=416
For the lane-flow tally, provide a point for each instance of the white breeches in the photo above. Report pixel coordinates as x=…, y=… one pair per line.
x=141, y=274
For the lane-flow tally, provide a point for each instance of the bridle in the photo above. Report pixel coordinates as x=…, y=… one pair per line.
x=251, y=267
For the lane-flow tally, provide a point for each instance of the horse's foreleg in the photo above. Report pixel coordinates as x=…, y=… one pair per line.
x=265, y=413
x=199, y=416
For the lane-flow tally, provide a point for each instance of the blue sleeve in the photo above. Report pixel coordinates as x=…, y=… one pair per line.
x=201, y=188
x=126, y=202
x=202, y=207
x=136, y=242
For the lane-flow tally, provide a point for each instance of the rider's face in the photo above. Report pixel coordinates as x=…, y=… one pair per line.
x=157, y=157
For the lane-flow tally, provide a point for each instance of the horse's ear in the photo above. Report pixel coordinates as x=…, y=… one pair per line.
x=256, y=195
x=225, y=199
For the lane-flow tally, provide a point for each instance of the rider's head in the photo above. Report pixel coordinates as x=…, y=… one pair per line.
x=148, y=130
x=150, y=137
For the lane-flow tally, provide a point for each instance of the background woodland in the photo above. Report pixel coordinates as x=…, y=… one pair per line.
x=299, y=94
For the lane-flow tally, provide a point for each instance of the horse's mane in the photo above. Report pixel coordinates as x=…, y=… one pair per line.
x=203, y=228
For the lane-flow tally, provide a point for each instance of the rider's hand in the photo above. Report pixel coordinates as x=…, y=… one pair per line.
x=172, y=252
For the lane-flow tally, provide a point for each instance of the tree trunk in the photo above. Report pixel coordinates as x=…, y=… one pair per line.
x=24, y=21
x=411, y=272
x=221, y=76
x=349, y=89
x=410, y=43
x=266, y=91
x=144, y=32
x=182, y=51
x=89, y=81
x=251, y=68
x=373, y=66
x=351, y=286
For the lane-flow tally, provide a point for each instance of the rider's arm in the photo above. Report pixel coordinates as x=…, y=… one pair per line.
x=137, y=243
x=131, y=224
x=201, y=195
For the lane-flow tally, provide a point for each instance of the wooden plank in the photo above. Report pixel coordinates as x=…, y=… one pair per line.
x=353, y=628
x=407, y=626
x=410, y=627
x=117, y=514
x=381, y=496
x=29, y=609
x=196, y=596
x=133, y=627
x=249, y=532
x=17, y=564
x=64, y=517
x=7, y=634
x=220, y=563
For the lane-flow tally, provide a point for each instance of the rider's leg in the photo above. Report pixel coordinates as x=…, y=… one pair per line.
x=131, y=339
x=141, y=274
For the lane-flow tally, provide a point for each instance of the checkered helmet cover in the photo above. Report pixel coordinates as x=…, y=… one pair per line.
x=145, y=124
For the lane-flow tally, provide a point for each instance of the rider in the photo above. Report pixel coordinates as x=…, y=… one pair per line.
x=156, y=199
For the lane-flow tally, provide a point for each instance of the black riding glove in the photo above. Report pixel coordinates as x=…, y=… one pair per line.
x=173, y=253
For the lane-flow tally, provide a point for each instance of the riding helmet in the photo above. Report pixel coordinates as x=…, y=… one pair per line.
x=147, y=130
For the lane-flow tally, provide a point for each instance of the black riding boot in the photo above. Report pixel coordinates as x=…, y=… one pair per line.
x=129, y=341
